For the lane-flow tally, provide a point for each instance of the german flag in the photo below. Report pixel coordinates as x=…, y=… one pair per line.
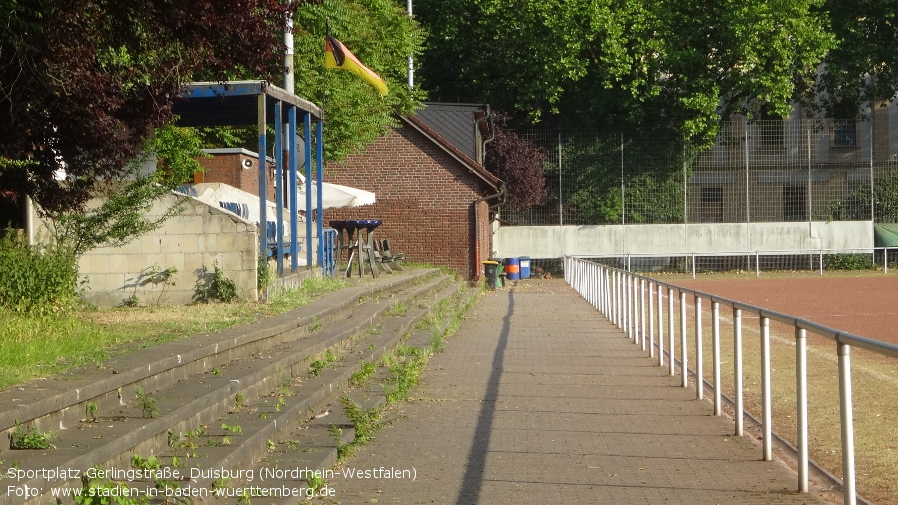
x=337, y=56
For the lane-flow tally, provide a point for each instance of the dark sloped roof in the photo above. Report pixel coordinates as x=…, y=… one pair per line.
x=474, y=167
x=454, y=122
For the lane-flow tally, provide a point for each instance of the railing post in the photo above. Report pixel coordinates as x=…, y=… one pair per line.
x=628, y=318
x=613, y=296
x=737, y=370
x=683, y=361
x=715, y=342
x=631, y=292
x=766, y=414
x=670, y=328
x=651, y=321
x=801, y=403
x=642, y=313
x=660, y=326
x=849, y=490
x=699, y=375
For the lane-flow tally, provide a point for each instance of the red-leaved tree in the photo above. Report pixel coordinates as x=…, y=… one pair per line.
x=518, y=162
x=84, y=82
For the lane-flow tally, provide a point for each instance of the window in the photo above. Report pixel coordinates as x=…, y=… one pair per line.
x=795, y=203
x=711, y=205
x=844, y=133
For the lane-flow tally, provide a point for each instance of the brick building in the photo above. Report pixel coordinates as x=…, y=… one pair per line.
x=432, y=196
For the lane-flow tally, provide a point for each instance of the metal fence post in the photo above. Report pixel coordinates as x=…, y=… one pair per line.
x=683, y=339
x=849, y=487
x=660, y=326
x=651, y=321
x=715, y=341
x=766, y=402
x=801, y=403
x=699, y=379
x=670, y=328
x=642, y=313
x=737, y=370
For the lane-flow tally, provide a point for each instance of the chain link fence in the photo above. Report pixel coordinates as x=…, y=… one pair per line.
x=757, y=171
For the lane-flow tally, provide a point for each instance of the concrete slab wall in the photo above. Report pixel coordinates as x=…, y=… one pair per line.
x=705, y=238
x=190, y=242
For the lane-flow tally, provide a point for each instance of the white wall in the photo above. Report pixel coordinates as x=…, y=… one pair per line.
x=611, y=240
x=189, y=242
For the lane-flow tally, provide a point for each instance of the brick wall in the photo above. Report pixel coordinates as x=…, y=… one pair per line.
x=424, y=196
x=229, y=169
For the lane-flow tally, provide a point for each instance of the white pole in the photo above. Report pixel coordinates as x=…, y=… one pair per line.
x=288, y=55
x=715, y=338
x=801, y=420
x=766, y=401
x=699, y=373
x=683, y=355
x=411, y=62
x=737, y=370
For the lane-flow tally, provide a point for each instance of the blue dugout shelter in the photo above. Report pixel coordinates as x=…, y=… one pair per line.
x=245, y=103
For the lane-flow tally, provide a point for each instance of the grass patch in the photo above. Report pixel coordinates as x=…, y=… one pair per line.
x=36, y=345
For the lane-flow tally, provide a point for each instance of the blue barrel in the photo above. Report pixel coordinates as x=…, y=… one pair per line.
x=525, y=267
x=512, y=269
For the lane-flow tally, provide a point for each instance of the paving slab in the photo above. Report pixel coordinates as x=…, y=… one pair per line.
x=538, y=399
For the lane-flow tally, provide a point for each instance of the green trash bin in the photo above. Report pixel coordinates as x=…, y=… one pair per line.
x=492, y=273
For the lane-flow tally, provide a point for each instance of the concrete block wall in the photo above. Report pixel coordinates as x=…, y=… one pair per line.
x=191, y=242
x=424, y=196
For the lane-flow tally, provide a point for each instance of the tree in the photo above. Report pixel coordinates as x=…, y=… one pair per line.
x=863, y=67
x=681, y=64
x=83, y=83
x=383, y=37
x=519, y=163
x=121, y=209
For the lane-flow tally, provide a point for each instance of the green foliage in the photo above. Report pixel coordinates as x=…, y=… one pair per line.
x=848, y=262
x=34, y=280
x=125, y=204
x=406, y=366
x=217, y=288
x=90, y=412
x=366, y=423
x=680, y=63
x=653, y=187
x=147, y=403
x=361, y=376
x=264, y=273
x=30, y=439
x=382, y=35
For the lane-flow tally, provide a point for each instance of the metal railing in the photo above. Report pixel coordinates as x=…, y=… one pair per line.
x=629, y=301
x=882, y=259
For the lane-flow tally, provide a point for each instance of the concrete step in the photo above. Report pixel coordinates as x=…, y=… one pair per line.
x=214, y=419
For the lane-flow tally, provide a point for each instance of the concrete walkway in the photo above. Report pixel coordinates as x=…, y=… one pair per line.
x=538, y=399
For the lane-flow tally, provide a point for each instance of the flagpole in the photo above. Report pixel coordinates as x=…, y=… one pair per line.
x=411, y=63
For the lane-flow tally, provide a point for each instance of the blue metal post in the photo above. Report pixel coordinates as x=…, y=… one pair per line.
x=294, y=225
x=263, y=182
x=279, y=185
x=307, y=126
x=319, y=176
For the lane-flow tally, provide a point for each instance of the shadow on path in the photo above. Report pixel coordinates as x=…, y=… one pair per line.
x=472, y=482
